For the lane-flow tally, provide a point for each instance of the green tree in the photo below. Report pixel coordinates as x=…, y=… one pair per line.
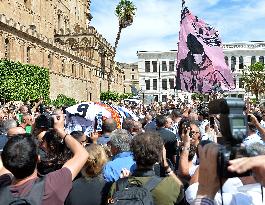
x=125, y=11
x=197, y=96
x=253, y=79
x=63, y=100
x=23, y=82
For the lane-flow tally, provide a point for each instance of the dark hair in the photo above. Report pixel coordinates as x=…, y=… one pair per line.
x=128, y=124
x=109, y=125
x=20, y=156
x=147, y=148
x=176, y=113
x=161, y=121
x=56, y=154
x=204, y=113
x=44, y=121
x=77, y=134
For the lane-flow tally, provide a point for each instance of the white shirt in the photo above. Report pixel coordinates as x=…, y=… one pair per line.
x=234, y=193
x=252, y=139
x=262, y=122
x=202, y=126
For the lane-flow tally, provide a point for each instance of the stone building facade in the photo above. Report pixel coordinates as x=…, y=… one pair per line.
x=131, y=76
x=57, y=35
x=157, y=69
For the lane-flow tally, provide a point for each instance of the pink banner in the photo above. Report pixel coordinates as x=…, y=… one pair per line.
x=200, y=59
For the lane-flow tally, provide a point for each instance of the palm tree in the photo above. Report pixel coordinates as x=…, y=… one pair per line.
x=125, y=11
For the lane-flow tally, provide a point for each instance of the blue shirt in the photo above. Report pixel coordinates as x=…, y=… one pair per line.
x=151, y=126
x=3, y=141
x=112, y=169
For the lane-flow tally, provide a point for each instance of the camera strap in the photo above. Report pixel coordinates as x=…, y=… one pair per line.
x=261, y=193
x=221, y=188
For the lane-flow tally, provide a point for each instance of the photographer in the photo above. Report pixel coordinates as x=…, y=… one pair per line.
x=256, y=164
x=209, y=182
x=257, y=124
x=252, y=137
x=20, y=157
x=215, y=160
x=187, y=159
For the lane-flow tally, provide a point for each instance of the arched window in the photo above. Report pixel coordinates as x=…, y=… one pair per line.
x=226, y=61
x=253, y=60
x=233, y=63
x=73, y=70
x=28, y=55
x=59, y=22
x=50, y=61
x=241, y=62
x=261, y=59
x=81, y=71
x=7, y=48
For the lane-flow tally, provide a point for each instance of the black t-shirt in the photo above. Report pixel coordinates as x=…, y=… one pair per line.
x=88, y=191
x=5, y=180
x=170, y=142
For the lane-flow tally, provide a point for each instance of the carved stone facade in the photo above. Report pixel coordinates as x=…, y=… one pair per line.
x=57, y=35
x=131, y=77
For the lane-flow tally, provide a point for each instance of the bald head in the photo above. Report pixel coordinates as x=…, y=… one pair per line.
x=24, y=109
x=109, y=125
x=148, y=118
x=15, y=131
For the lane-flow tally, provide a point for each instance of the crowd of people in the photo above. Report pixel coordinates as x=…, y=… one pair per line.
x=170, y=152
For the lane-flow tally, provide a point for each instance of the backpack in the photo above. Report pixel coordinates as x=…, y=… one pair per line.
x=34, y=197
x=134, y=192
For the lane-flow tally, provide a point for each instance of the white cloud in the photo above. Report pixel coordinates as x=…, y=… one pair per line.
x=156, y=24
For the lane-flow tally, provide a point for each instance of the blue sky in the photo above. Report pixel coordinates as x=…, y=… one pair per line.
x=156, y=24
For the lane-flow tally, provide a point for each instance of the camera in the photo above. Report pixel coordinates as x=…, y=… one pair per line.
x=45, y=121
x=233, y=127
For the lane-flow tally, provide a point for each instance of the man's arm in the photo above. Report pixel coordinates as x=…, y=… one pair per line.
x=184, y=154
x=167, y=168
x=208, y=179
x=76, y=163
x=258, y=126
x=256, y=164
x=34, y=108
x=3, y=170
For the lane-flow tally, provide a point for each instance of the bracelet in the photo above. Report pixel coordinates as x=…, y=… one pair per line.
x=64, y=137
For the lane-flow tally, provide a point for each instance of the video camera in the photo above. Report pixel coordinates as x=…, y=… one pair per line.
x=233, y=127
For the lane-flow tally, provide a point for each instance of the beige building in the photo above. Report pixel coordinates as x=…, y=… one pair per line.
x=58, y=35
x=131, y=76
